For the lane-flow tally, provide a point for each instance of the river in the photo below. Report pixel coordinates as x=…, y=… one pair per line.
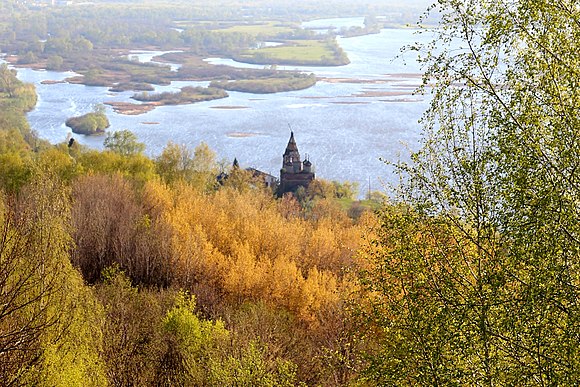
x=354, y=116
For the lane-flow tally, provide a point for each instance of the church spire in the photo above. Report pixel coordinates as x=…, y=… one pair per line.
x=291, y=157
x=291, y=147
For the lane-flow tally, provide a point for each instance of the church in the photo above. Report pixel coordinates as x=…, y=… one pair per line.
x=295, y=173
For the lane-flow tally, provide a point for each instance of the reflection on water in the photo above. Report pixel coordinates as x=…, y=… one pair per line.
x=355, y=115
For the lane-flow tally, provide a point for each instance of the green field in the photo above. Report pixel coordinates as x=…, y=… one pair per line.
x=298, y=52
x=310, y=50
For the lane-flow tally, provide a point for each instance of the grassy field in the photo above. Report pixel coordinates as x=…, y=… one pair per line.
x=310, y=50
x=299, y=52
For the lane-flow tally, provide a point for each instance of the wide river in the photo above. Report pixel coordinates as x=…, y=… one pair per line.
x=353, y=117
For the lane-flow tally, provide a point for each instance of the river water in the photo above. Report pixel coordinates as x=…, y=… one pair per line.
x=354, y=116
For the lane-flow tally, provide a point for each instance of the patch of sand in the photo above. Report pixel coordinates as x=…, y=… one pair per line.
x=242, y=134
x=226, y=107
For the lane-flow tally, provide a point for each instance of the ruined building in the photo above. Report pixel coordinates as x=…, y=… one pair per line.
x=295, y=172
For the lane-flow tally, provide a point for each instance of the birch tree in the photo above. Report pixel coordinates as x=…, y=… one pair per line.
x=473, y=278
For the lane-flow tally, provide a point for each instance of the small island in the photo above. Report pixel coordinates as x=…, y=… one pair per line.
x=90, y=123
x=188, y=94
x=131, y=86
x=275, y=84
x=150, y=101
x=324, y=52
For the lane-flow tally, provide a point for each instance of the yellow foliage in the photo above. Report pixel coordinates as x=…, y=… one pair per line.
x=245, y=272
x=284, y=283
x=320, y=289
x=239, y=244
x=157, y=198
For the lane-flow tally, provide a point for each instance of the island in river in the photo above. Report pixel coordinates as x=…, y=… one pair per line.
x=89, y=124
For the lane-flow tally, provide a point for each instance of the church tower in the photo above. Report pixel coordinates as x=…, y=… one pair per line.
x=291, y=158
x=294, y=172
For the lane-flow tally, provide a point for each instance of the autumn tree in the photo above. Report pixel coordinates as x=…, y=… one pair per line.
x=132, y=339
x=179, y=163
x=473, y=279
x=111, y=227
x=137, y=167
